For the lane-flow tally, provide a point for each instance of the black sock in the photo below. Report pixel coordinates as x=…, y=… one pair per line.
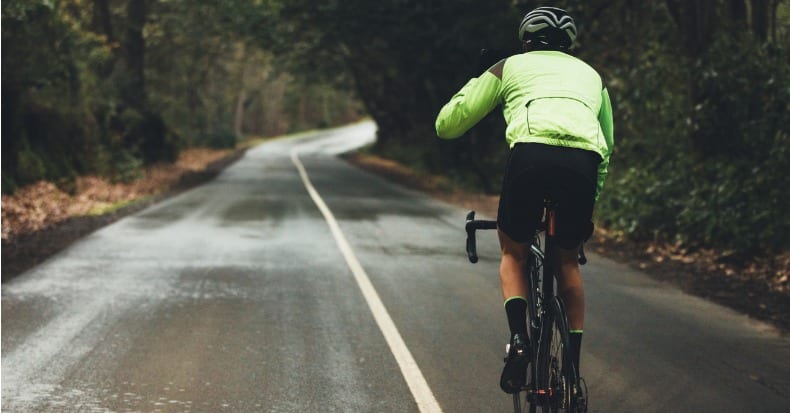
x=576, y=348
x=516, y=310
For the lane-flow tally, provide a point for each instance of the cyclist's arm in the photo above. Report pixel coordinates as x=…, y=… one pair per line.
x=471, y=104
x=607, y=126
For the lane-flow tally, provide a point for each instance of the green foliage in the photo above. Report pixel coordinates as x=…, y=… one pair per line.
x=75, y=103
x=109, y=86
x=706, y=164
x=31, y=167
x=146, y=135
x=239, y=86
x=736, y=205
x=124, y=167
x=56, y=115
x=220, y=139
x=743, y=98
x=404, y=59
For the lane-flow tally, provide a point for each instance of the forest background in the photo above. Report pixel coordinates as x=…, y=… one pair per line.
x=701, y=94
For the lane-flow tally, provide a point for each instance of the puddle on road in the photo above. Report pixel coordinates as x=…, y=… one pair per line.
x=258, y=210
x=371, y=209
x=166, y=214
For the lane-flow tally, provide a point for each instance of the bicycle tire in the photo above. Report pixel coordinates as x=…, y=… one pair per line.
x=554, y=360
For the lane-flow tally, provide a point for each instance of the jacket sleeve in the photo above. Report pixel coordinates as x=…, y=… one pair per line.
x=471, y=104
x=607, y=126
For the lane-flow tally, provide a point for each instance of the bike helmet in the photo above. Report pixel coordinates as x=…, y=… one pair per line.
x=548, y=28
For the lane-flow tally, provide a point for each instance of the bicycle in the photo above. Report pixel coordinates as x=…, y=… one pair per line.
x=554, y=384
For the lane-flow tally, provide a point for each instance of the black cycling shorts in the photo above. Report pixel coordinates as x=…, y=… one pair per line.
x=536, y=171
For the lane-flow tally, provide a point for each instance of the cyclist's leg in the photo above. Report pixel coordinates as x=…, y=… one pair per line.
x=520, y=207
x=512, y=266
x=514, y=291
x=573, y=227
x=571, y=287
x=573, y=223
x=517, y=218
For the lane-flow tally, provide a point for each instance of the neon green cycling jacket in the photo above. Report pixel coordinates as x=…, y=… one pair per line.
x=547, y=97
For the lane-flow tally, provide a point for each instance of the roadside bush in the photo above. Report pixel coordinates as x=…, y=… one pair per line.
x=125, y=167
x=717, y=176
x=146, y=135
x=30, y=168
x=742, y=99
x=737, y=206
x=44, y=142
x=222, y=138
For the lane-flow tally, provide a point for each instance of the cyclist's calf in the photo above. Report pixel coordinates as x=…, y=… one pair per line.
x=512, y=267
x=570, y=286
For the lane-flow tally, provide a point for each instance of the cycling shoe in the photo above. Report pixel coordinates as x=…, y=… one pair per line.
x=514, y=375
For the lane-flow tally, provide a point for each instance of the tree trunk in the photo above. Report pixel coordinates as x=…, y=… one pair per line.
x=695, y=20
x=134, y=53
x=241, y=99
x=102, y=24
x=102, y=19
x=774, y=12
x=238, y=118
x=761, y=18
x=737, y=14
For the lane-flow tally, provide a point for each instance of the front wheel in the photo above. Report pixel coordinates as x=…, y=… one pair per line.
x=555, y=362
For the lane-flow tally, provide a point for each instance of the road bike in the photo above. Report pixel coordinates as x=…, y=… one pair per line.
x=553, y=383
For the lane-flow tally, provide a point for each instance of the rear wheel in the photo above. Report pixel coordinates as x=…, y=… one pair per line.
x=521, y=398
x=556, y=362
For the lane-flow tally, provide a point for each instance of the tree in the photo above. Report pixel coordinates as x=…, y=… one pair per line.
x=134, y=53
x=48, y=131
x=710, y=30
x=701, y=115
x=405, y=59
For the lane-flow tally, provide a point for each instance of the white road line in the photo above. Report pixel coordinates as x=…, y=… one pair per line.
x=409, y=368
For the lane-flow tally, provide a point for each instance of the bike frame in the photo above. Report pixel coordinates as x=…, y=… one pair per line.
x=542, y=304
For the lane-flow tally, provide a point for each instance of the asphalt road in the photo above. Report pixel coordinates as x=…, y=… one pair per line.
x=243, y=295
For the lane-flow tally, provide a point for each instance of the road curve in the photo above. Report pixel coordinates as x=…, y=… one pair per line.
x=238, y=296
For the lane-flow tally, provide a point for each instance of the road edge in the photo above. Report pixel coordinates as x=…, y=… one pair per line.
x=28, y=250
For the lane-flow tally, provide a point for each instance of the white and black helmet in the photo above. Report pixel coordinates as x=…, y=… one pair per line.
x=547, y=18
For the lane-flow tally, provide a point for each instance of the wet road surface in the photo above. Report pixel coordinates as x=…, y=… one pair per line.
x=235, y=296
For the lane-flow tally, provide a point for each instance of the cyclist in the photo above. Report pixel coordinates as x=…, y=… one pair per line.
x=560, y=131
